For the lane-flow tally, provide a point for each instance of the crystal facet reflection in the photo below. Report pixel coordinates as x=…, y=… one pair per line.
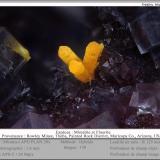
x=146, y=98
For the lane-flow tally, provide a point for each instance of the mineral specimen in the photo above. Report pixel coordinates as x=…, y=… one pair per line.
x=82, y=70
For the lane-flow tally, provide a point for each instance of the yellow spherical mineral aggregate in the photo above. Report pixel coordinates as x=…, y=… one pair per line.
x=79, y=71
x=66, y=54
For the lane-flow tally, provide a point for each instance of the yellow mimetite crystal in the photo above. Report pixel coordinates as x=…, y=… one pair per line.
x=82, y=70
x=79, y=71
x=15, y=46
x=92, y=54
x=66, y=54
x=23, y=52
